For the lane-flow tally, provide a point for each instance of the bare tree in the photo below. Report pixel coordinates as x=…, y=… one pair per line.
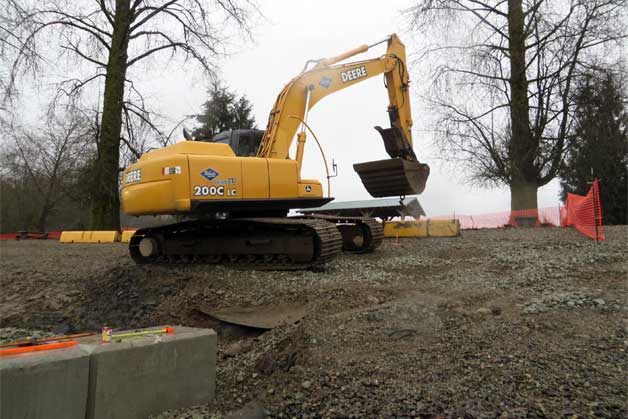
x=503, y=80
x=42, y=163
x=8, y=41
x=111, y=37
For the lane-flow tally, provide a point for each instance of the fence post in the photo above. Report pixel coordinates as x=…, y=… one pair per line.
x=595, y=209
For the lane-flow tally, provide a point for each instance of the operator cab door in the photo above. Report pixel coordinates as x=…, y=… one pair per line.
x=254, y=171
x=246, y=142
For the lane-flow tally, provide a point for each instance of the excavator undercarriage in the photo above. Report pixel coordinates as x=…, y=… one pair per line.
x=256, y=243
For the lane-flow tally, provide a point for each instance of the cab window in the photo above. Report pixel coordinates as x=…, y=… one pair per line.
x=247, y=145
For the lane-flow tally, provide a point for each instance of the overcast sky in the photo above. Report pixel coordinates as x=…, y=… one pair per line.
x=295, y=31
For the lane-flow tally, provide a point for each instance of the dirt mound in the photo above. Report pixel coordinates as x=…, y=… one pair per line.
x=121, y=297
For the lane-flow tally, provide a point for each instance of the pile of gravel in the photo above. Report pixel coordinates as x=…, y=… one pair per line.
x=568, y=300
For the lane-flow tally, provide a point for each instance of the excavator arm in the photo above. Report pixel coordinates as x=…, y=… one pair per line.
x=327, y=77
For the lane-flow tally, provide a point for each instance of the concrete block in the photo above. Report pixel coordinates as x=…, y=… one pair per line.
x=145, y=375
x=44, y=385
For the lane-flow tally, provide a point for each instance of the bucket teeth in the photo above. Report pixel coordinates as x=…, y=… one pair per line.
x=393, y=177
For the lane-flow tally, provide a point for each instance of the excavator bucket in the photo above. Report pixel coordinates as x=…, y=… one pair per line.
x=402, y=175
x=393, y=177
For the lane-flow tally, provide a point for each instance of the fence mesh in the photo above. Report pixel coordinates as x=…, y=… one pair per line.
x=585, y=213
x=582, y=212
x=549, y=216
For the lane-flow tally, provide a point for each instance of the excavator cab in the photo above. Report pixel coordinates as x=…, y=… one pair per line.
x=243, y=142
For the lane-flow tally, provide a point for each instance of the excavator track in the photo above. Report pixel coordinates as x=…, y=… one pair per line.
x=359, y=234
x=245, y=243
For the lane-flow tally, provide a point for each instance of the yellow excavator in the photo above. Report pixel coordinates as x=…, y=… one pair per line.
x=237, y=187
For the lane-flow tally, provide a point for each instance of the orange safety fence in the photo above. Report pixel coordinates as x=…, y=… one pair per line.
x=53, y=235
x=542, y=217
x=582, y=212
x=585, y=213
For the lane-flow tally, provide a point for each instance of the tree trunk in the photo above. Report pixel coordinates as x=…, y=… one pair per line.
x=523, y=144
x=523, y=195
x=43, y=219
x=45, y=209
x=105, y=211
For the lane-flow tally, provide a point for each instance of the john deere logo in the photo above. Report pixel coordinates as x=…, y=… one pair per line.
x=209, y=174
x=325, y=82
x=353, y=74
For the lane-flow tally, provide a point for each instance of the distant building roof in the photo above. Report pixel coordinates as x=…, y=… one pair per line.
x=382, y=208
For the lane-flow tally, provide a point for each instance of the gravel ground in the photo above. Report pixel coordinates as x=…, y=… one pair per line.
x=528, y=323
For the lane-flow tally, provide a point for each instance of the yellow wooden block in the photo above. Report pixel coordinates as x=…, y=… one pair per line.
x=71, y=237
x=89, y=237
x=443, y=228
x=405, y=229
x=428, y=228
x=103, y=236
x=126, y=235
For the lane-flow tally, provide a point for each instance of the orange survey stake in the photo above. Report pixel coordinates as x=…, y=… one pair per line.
x=35, y=348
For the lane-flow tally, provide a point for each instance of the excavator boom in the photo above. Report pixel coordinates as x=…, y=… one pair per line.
x=327, y=77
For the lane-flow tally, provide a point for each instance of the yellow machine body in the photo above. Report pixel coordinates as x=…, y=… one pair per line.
x=188, y=175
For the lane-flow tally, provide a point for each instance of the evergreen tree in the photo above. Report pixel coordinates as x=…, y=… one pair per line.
x=600, y=144
x=223, y=111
